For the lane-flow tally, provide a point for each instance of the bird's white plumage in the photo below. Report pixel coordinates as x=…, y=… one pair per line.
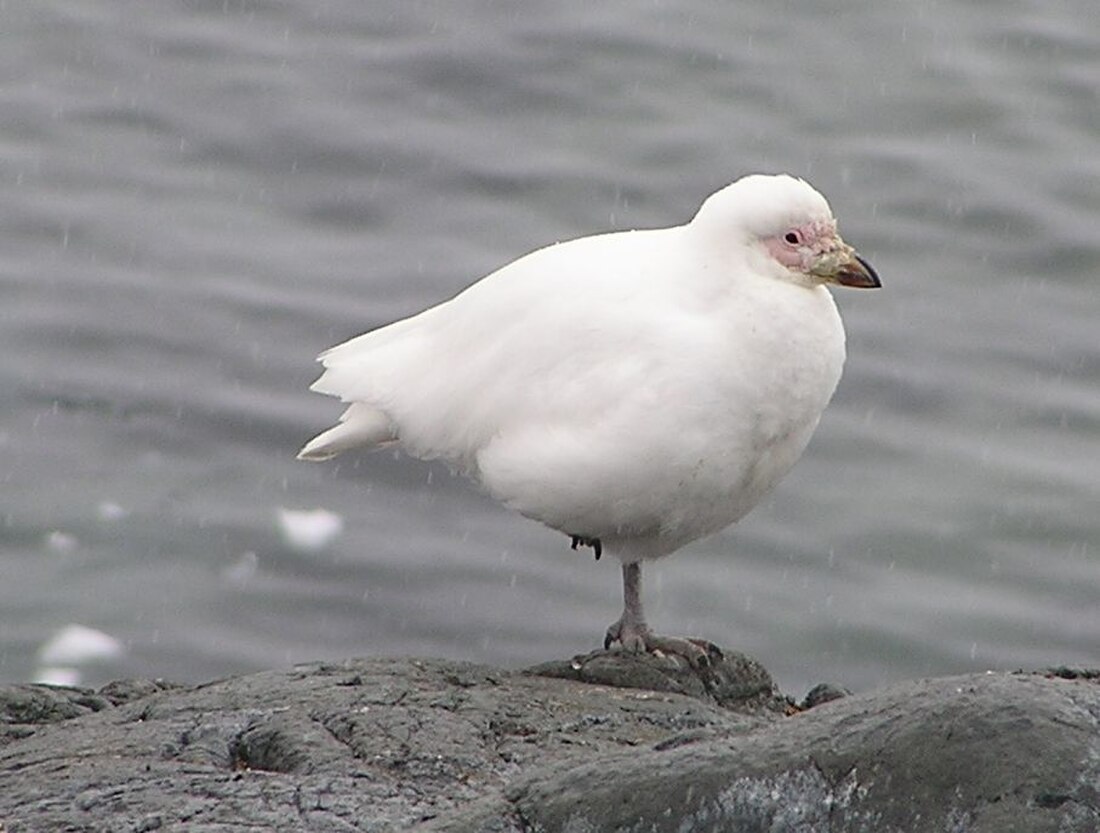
x=643, y=388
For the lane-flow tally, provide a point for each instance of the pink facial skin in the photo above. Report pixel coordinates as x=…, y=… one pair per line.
x=799, y=246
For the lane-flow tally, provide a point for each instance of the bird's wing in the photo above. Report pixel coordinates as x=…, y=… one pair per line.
x=529, y=343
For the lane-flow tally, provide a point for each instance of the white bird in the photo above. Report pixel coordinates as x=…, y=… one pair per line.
x=634, y=390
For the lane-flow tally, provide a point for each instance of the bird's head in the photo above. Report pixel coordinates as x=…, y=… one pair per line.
x=789, y=230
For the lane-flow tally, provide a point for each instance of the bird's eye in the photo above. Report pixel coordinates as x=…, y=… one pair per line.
x=793, y=237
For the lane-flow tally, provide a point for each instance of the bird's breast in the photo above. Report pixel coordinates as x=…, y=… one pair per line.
x=679, y=436
x=789, y=360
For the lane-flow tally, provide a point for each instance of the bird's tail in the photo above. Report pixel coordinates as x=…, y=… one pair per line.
x=360, y=425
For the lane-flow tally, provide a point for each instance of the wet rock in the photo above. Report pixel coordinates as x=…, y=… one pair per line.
x=731, y=680
x=35, y=704
x=982, y=753
x=602, y=742
x=822, y=693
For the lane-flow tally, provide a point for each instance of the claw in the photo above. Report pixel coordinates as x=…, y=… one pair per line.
x=643, y=640
x=584, y=541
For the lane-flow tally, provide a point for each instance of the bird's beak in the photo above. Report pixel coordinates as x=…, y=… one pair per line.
x=843, y=266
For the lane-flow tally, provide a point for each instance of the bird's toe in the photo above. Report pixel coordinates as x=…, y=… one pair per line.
x=635, y=639
x=629, y=637
x=696, y=651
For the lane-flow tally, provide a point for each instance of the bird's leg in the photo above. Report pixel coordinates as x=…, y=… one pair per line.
x=631, y=630
x=633, y=634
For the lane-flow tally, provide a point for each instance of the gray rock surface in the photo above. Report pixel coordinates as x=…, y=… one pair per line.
x=602, y=742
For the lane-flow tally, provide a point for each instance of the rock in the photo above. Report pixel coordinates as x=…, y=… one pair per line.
x=822, y=693
x=733, y=681
x=980, y=753
x=380, y=744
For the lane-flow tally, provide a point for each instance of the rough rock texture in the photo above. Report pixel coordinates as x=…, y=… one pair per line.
x=606, y=742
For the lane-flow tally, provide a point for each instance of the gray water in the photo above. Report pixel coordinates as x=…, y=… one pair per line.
x=198, y=197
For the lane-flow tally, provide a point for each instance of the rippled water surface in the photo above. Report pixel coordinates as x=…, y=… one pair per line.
x=200, y=196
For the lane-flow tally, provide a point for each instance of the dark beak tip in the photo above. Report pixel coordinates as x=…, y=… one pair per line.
x=864, y=277
x=875, y=283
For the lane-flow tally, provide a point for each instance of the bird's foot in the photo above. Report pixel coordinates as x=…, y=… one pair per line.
x=637, y=638
x=584, y=541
